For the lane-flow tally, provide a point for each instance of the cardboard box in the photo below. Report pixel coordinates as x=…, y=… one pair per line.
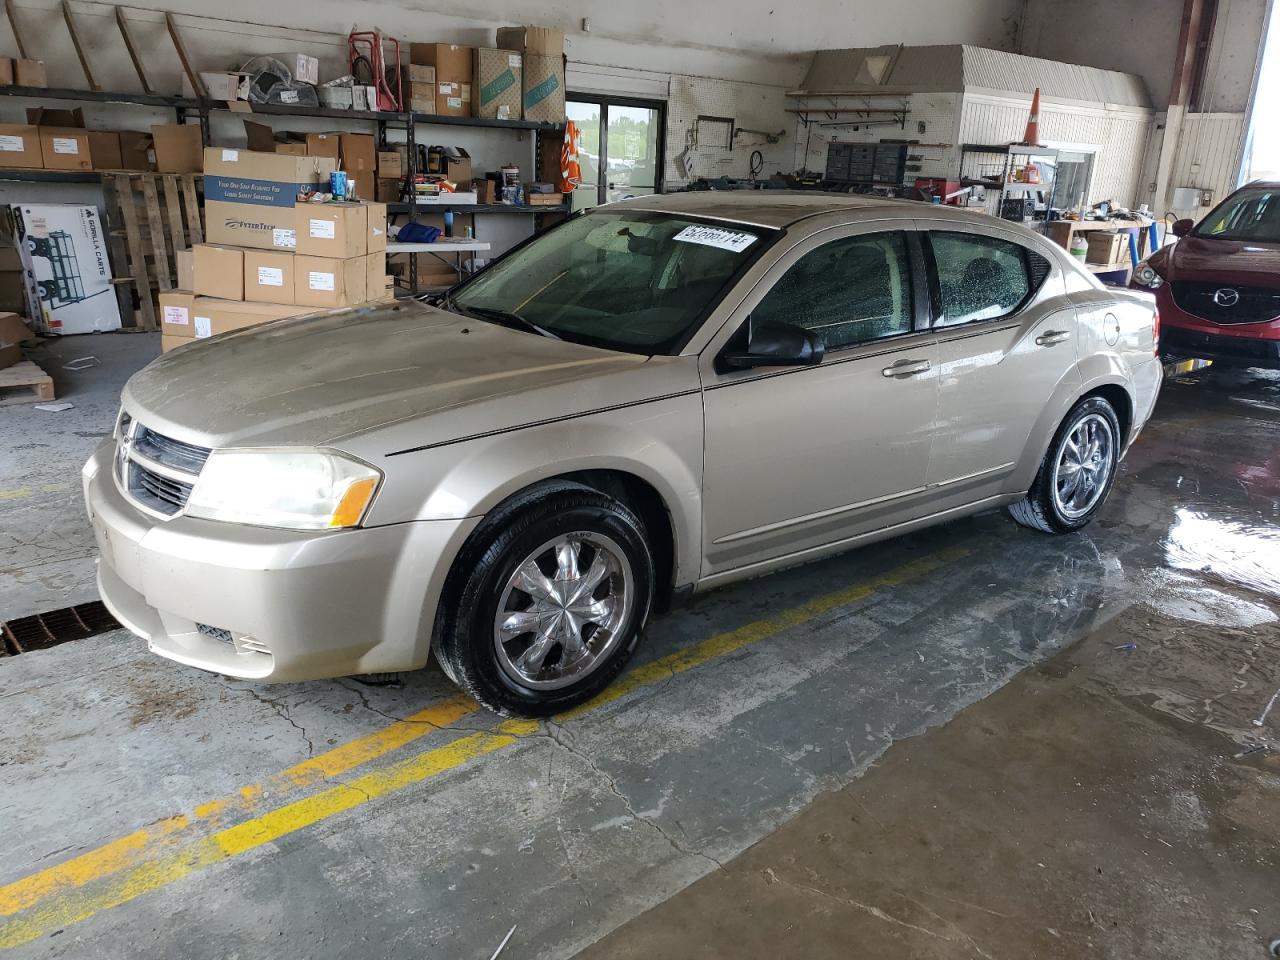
x=389, y=165
x=360, y=161
x=13, y=329
x=543, y=88
x=169, y=342
x=20, y=146
x=486, y=190
x=65, y=148
x=1106, y=247
x=13, y=290
x=305, y=69
x=338, y=230
x=135, y=150
x=537, y=41
x=218, y=271
x=419, y=73
x=377, y=237
x=66, y=268
x=250, y=195
x=292, y=149
x=56, y=117
x=104, y=150
x=324, y=145
x=178, y=147
x=30, y=73
x=6, y=70
x=219, y=86
x=497, y=88
x=375, y=276
x=176, y=313
x=268, y=276
x=185, y=263
x=457, y=167
x=452, y=99
x=387, y=191
x=453, y=63
x=329, y=281
x=210, y=317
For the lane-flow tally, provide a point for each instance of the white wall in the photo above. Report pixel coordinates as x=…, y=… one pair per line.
x=1207, y=157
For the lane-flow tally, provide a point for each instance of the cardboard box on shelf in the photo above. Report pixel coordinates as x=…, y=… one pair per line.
x=30, y=73
x=1106, y=247
x=329, y=281
x=176, y=313
x=538, y=41
x=457, y=167
x=452, y=99
x=6, y=71
x=104, y=150
x=486, y=190
x=497, y=88
x=250, y=195
x=387, y=191
x=324, y=145
x=20, y=146
x=305, y=69
x=360, y=161
x=269, y=276
x=543, y=88
x=292, y=149
x=334, y=229
x=56, y=117
x=420, y=73
x=453, y=63
x=185, y=262
x=389, y=165
x=178, y=147
x=65, y=148
x=210, y=317
x=135, y=150
x=229, y=86
x=66, y=268
x=218, y=271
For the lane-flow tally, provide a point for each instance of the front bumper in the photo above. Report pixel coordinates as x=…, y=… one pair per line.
x=1244, y=351
x=266, y=604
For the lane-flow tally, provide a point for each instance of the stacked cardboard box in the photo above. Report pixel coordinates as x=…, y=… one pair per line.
x=54, y=139
x=250, y=195
x=339, y=260
x=542, y=62
x=454, y=67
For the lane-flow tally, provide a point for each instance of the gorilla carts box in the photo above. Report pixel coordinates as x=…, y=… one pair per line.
x=65, y=268
x=249, y=195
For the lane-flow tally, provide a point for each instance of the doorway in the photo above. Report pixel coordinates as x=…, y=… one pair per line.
x=1261, y=159
x=621, y=153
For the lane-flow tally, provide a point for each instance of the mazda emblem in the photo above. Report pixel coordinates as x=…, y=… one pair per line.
x=1226, y=297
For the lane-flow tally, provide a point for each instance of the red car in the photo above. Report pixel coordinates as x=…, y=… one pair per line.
x=1218, y=287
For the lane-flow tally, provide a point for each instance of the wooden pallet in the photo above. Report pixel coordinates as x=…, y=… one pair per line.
x=145, y=234
x=24, y=382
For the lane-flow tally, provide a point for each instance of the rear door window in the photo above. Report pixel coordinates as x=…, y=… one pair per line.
x=980, y=277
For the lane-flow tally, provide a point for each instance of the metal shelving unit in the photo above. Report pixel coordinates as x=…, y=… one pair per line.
x=185, y=107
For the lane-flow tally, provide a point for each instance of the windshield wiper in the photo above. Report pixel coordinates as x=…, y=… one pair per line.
x=504, y=317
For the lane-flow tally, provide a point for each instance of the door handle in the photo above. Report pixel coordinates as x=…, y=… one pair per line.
x=907, y=368
x=1050, y=337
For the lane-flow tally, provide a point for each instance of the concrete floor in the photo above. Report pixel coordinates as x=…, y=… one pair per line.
x=152, y=810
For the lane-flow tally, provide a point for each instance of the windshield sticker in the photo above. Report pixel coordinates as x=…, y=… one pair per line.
x=715, y=237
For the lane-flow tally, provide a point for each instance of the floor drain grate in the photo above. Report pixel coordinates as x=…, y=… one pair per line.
x=42, y=630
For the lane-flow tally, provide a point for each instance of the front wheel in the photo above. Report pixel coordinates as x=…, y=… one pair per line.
x=1077, y=472
x=547, y=601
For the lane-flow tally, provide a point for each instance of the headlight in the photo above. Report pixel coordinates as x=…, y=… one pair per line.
x=1145, y=276
x=305, y=490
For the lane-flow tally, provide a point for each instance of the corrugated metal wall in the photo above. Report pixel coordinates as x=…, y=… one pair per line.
x=1120, y=138
x=1208, y=156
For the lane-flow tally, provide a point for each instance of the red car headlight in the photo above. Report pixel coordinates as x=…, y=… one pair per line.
x=1145, y=275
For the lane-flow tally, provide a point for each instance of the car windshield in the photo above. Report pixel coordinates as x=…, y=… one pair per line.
x=1251, y=215
x=627, y=280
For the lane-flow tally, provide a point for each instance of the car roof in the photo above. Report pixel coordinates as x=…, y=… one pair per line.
x=782, y=208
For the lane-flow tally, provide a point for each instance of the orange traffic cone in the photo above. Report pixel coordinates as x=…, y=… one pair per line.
x=1032, y=137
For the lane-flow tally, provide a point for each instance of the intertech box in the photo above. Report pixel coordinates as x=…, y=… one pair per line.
x=250, y=195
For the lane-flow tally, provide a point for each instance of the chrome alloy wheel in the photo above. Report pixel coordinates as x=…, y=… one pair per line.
x=1083, y=468
x=562, y=609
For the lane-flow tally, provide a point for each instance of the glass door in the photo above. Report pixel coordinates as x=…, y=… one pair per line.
x=621, y=154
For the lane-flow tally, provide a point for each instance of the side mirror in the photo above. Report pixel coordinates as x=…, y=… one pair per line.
x=1182, y=227
x=779, y=345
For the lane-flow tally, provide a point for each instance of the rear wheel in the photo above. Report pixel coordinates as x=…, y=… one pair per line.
x=547, y=601
x=1077, y=472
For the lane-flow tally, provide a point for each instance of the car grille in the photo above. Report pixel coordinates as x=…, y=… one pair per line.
x=155, y=471
x=1214, y=302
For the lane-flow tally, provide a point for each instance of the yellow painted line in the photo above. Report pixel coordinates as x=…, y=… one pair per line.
x=129, y=850
x=19, y=493
x=156, y=863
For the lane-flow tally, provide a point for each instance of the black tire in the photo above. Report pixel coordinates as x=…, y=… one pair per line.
x=464, y=631
x=1039, y=510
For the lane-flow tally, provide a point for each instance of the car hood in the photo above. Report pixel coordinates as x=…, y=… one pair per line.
x=1222, y=261
x=319, y=379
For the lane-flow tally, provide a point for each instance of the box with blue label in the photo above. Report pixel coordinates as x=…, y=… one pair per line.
x=543, y=88
x=250, y=195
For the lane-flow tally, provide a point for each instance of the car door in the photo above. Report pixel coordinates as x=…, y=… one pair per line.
x=799, y=457
x=1006, y=339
